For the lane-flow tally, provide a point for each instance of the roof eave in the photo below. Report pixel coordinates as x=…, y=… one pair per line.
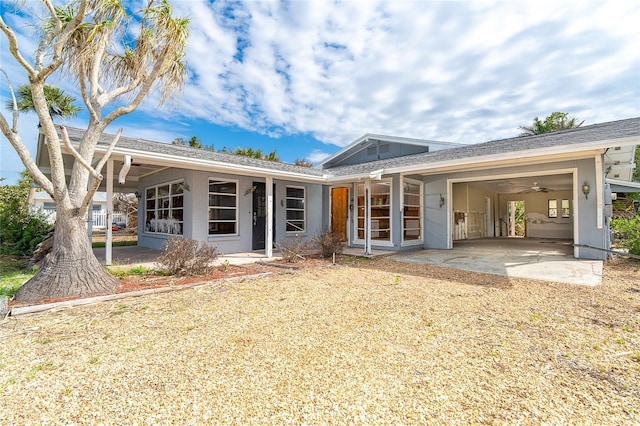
x=584, y=148
x=181, y=162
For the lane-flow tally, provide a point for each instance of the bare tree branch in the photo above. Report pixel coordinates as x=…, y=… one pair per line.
x=15, y=112
x=76, y=155
x=61, y=36
x=146, y=87
x=95, y=182
x=13, y=48
x=107, y=154
x=22, y=151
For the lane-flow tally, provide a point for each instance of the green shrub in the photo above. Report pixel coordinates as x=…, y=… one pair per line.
x=627, y=232
x=20, y=229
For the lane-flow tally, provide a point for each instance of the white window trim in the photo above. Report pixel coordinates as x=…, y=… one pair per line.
x=237, y=208
x=171, y=208
x=568, y=216
x=419, y=241
x=555, y=208
x=304, y=209
x=374, y=243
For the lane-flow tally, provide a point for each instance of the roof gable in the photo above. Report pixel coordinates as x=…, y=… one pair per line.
x=371, y=147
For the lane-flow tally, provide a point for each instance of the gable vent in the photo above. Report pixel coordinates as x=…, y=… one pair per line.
x=384, y=148
x=372, y=150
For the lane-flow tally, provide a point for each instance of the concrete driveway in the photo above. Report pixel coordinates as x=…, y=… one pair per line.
x=542, y=259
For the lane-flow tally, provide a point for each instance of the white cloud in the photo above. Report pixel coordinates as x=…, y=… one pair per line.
x=317, y=156
x=457, y=71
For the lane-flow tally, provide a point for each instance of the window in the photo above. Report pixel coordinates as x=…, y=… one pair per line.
x=380, y=211
x=566, y=210
x=412, y=211
x=360, y=215
x=553, y=208
x=49, y=206
x=223, y=207
x=295, y=209
x=164, y=208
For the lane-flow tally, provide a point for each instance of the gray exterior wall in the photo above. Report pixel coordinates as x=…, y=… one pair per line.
x=588, y=232
x=435, y=217
x=196, y=202
x=395, y=150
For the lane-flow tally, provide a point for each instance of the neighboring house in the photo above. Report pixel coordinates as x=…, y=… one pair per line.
x=382, y=192
x=42, y=201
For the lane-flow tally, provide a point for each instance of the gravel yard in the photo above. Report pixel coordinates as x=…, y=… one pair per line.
x=362, y=342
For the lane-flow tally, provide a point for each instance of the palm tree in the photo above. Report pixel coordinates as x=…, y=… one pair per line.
x=554, y=122
x=60, y=105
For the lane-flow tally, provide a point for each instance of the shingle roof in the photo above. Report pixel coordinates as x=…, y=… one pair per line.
x=593, y=133
x=148, y=146
x=518, y=146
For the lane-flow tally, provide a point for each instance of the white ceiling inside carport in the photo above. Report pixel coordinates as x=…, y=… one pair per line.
x=515, y=185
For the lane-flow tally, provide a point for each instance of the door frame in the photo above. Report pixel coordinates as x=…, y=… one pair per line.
x=266, y=214
x=573, y=171
x=349, y=209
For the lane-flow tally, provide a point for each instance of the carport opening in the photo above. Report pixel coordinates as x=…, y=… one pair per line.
x=514, y=207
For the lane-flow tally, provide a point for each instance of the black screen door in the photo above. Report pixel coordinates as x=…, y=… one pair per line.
x=260, y=216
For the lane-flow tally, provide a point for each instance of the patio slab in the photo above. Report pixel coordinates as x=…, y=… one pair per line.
x=548, y=260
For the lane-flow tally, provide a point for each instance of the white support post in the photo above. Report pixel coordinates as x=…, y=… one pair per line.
x=108, y=231
x=90, y=216
x=599, y=192
x=269, y=221
x=367, y=217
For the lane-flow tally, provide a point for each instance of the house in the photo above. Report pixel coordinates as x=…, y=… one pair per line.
x=382, y=192
x=43, y=202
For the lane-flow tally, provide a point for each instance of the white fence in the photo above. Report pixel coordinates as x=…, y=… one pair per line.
x=99, y=218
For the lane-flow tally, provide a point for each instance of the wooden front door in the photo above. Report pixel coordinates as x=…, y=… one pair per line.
x=340, y=211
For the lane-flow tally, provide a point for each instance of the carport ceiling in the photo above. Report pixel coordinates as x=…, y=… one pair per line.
x=524, y=184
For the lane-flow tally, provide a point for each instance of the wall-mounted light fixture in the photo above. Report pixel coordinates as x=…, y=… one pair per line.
x=586, y=189
x=442, y=201
x=137, y=194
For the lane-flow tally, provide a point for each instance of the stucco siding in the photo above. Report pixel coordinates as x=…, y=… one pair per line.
x=196, y=209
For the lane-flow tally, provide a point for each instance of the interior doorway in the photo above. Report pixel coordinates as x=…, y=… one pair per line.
x=340, y=212
x=517, y=223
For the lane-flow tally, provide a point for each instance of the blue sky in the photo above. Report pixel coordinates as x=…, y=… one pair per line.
x=308, y=77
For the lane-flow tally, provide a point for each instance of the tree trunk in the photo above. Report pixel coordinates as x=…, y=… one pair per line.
x=71, y=269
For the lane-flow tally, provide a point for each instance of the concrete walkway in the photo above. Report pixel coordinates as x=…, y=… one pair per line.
x=136, y=255
x=542, y=259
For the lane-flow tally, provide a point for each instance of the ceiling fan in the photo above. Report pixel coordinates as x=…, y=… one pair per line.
x=535, y=188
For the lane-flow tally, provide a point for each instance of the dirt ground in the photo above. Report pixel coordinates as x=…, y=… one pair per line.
x=361, y=342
